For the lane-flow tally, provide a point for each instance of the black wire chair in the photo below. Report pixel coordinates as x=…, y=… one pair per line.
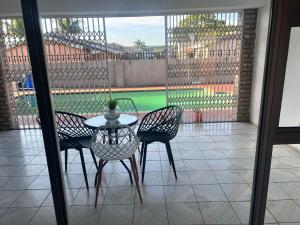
x=159, y=126
x=73, y=134
x=126, y=105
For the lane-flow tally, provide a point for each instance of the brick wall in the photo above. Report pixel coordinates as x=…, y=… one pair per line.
x=247, y=54
x=8, y=118
x=4, y=110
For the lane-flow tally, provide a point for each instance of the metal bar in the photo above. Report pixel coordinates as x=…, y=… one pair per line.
x=287, y=135
x=166, y=58
x=39, y=71
x=106, y=58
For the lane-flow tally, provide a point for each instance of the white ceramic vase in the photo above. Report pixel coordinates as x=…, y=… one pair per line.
x=112, y=115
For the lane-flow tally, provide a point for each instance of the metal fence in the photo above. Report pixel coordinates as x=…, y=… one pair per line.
x=202, y=76
x=202, y=54
x=83, y=37
x=88, y=57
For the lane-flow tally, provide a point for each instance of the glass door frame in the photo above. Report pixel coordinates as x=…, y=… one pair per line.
x=283, y=17
x=41, y=80
x=285, y=14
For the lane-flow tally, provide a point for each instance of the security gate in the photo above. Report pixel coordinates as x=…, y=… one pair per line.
x=203, y=64
x=75, y=49
x=202, y=60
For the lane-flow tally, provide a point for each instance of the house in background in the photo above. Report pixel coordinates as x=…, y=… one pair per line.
x=65, y=48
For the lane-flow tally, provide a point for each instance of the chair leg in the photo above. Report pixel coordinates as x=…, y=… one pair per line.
x=128, y=170
x=94, y=158
x=135, y=175
x=144, y=162
x=168, y=153
x=139, y=150
x=168, y=146
x=142, y=152
x=96, y=176
x=100, y=168
x=133, y=157
x=66, y=160
x=83, y=168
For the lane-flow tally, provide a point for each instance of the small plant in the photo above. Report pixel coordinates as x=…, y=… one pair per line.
x=112, y=104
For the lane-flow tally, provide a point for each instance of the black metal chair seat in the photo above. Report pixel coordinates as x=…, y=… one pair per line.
x=149, y=137
x=67, y=142
x=85, y=142
x=159, y=126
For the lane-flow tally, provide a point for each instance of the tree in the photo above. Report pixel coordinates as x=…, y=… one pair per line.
x=15, y=26
x=201, y=25
x=140, y=44
x=68, y=25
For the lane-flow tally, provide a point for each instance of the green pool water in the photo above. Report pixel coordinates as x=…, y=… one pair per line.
x=91, y=103
x=144, y=100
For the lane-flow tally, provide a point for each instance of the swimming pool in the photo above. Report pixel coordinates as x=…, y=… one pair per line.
x=91, y=102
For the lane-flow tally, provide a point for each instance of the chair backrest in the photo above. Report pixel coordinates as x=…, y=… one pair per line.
x=63, y=138
x=126, y=105
x=164, y=120
x=71, y=124
x=114, y=142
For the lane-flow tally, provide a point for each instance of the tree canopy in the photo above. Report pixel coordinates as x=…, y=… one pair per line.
x=200, y=25
x=15, y=26
x=140, y=44
x=68, y=25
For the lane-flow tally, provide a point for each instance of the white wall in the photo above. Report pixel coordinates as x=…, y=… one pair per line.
x=259, y=60
x=290, y=108
x=125, y=7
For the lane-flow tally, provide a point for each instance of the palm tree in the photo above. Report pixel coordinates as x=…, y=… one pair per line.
x=140, y=44
x=68, y=25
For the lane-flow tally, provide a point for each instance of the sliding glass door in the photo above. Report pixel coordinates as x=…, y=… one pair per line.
x=276, y=179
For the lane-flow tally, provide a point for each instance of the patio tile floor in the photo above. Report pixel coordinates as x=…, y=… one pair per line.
x=214, y=165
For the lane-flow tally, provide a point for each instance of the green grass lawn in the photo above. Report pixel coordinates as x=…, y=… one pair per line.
x=144, y=100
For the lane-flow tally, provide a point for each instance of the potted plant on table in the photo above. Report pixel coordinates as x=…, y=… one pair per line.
x=112, y=115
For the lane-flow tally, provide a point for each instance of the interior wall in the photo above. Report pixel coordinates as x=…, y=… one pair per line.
x=290, y=107
x=259, y=60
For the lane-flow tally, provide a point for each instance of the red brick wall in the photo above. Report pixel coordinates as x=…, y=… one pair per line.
x=246, y=72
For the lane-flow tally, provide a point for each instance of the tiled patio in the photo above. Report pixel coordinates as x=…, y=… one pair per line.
x=214, y=163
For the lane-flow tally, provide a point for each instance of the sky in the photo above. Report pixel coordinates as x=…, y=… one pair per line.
x=126, y=30
x=150, y=29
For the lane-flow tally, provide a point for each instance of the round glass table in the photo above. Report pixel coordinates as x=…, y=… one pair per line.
x=97, y=121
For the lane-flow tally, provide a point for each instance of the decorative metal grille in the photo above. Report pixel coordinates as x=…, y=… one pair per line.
x=76, y=52
x=203, y=64
x=202, y=59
